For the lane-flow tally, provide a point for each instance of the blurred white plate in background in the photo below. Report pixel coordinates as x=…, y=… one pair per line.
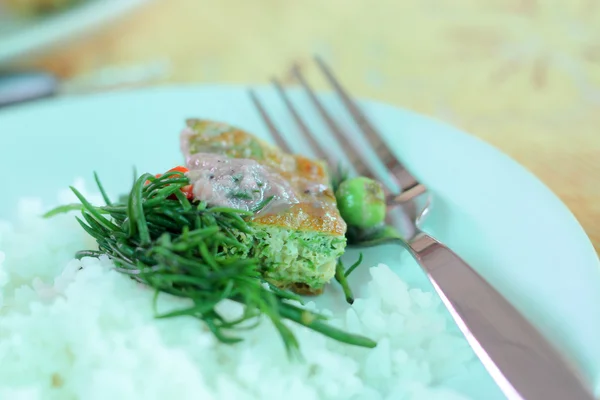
x=20, y=36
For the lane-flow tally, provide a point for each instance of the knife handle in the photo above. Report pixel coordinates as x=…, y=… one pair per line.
x=519, y=359
x=19, y=87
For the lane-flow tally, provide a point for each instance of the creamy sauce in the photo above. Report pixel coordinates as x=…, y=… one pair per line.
x=238, y=183
x=231, y=168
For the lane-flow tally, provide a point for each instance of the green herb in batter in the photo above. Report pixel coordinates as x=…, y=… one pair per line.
x=241, y=195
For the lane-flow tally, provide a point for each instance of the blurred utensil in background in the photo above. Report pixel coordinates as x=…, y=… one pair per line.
x=35, y=26
x=25, y=86
x=22, y=86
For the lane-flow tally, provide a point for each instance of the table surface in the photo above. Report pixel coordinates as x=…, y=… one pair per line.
x=523, y=75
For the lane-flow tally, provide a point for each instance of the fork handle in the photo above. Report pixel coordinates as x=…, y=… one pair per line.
x=521, y=361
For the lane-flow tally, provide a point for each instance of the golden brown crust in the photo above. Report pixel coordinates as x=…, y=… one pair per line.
x=306, y=216
x=304, y=289
x=300, y=288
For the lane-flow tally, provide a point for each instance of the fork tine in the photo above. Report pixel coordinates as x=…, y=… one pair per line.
x=319, y=150
x=397, y=171
x=281, y=142
x=342, y=138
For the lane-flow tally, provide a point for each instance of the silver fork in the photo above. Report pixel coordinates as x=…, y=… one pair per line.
x=520, y=360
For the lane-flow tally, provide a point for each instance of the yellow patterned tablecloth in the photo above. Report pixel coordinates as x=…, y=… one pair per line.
x=523, y=75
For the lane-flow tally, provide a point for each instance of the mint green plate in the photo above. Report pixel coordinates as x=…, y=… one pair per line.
x=490, y=210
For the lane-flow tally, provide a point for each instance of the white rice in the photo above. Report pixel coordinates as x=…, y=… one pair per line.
x=71, y=333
